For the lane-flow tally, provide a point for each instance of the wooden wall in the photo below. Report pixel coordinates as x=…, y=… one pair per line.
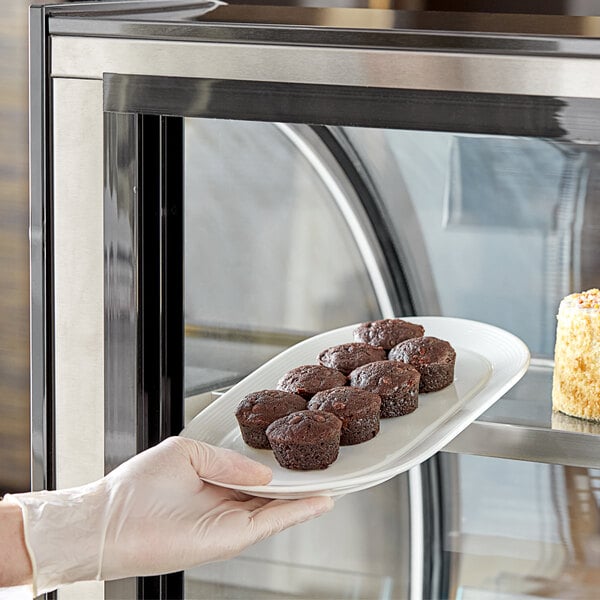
x=14, y=257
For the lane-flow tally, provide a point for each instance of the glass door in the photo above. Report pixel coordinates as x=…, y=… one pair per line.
x=278, y=247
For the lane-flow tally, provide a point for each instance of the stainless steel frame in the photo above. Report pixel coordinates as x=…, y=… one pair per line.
x=90, y=58
x=76, y=47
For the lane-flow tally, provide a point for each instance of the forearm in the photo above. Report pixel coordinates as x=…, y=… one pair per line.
x=15, y=565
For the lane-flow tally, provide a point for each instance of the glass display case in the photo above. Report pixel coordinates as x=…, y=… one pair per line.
x=213, y=183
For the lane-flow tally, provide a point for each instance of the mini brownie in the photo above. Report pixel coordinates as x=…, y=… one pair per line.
x=347, y=357
x=307, y=380
x=357, y=409
x=387, y=333
x=305, y=440
x=432, y=357
x=259, y=409
x=396, y=382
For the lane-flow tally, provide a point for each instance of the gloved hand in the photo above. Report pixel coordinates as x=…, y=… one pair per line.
x=154, y=514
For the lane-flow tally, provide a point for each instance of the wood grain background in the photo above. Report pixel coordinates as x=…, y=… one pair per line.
x=14, y=249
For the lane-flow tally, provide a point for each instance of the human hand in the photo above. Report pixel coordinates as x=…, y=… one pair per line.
x=154, y=514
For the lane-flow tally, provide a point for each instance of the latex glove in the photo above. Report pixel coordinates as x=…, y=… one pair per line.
x=154, y=514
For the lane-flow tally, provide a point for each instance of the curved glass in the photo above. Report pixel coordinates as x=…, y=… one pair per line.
x=270, y=259
x=517, y=529
x=505, y=224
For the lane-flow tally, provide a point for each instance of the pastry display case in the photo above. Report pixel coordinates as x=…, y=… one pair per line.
x=212, y=183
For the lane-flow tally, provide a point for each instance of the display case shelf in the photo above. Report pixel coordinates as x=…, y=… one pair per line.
x=522, y=426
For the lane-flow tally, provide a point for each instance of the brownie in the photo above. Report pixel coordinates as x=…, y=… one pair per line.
x=396, y=382
x=307, y=380
x=347, y=357
x=387, y=333
x=259, y=409
x=432, y=357
x=357, y=409
x=305, y=440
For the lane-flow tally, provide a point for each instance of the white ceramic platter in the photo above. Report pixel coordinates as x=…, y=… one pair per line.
x=489, y=361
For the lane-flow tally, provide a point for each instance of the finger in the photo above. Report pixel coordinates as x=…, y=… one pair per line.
x=254, y=503
x=223, y=465
x=278, y=515
x=250, y=503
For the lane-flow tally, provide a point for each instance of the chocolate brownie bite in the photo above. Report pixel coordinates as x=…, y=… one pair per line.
x=357, y=409
x=347, y=357
x=432, y=357
x=305, y=440
x=307, y=380
x=397, y=384
x=259, y=409
x=387, y=333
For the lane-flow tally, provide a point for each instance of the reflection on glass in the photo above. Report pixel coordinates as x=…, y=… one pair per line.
x=503, y=221
x=523, y=530
x=269, y=259
x=489, y=228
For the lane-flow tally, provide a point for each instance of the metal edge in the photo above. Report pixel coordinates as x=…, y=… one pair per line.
x=40, y=240
x=324, y=36
x=500, y=440
x=121, y=260
x=331, y=104
x=390, y=69
x=342, y=26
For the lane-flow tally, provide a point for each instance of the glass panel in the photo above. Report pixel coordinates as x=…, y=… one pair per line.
x=487, y=227
x=522, y=530
x=269, y=260
x=506, y=222
x=359, y=550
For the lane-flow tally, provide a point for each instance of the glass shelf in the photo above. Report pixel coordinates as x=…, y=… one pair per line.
x=522, y=426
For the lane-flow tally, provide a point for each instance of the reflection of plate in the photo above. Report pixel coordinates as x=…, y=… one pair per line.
x=489, y=361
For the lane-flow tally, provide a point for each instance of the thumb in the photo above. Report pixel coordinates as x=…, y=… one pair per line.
x=222, y=465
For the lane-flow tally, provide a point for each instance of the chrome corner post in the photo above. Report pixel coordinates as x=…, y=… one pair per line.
x=40, y=249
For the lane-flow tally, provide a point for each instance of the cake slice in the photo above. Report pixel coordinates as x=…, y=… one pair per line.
x=576, y=382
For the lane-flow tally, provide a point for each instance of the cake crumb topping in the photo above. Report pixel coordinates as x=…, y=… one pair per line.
x=588, y=299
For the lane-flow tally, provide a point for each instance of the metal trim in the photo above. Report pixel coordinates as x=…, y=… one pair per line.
x=416, y=533
x=121, y=289
x=40, y=248
x=78, y=276
x=90, y=58
x=143, y=319
x=343, y=105
x=463, y=28
x=519, y=442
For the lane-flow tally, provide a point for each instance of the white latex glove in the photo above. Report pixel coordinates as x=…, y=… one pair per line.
x=154, y=514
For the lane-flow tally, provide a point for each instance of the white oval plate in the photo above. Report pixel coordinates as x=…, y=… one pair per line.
x=489, y=361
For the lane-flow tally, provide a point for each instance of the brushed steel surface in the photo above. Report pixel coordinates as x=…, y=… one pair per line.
x=504, y=440
x=522, y=426
x=78, y=291
x=416, y=533
x=78, y=277
x=89, y=58
x=121, y=264
x=39, y=225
